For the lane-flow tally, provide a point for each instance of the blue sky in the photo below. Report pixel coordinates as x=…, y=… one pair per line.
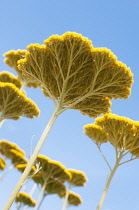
x=111, y=24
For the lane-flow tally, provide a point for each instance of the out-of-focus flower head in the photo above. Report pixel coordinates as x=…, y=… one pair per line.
x=25, y=199
x=55, y=187
x=13, y=152
x=2, y=164
x=78, y=178
x=74, y=199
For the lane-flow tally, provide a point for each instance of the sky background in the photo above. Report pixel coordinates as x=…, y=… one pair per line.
x=110, y=24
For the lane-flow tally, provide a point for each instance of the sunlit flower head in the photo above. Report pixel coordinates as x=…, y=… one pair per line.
x=11, y=59
x=121, y=132
x=73, y=73
x=10, y=78
x=96, y=133
x=52, y=169
x=14, y=103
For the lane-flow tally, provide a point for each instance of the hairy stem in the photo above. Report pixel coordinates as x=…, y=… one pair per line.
x=111, y=175
x=31, y=162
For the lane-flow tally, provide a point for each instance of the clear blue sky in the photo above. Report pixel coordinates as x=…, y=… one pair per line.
x=111, y=24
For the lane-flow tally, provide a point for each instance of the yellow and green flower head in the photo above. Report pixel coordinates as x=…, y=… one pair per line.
x=13, y=152
x=69, y=69
x=14, y=103
x=10, y=78
x=11, y=59
x=51, y=169
x=74, y=199
x=16, y=157
x=121, y=132
x=5, y=146
x=96, y=133
x=55, y=187
x=2, y=164
x=78, y=178
x=25, y=199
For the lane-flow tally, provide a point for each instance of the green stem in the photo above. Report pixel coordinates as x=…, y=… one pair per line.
x=31, y=162
x=111, y=175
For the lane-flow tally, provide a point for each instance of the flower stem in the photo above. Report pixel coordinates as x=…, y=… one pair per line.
x=58, y=110
x=65, y=204
x=111, y=175
x=1, y=122
x=41, y=195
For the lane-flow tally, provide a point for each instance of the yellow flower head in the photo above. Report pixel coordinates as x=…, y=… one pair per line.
x=15, y=156
x=78, y=178
x=55, y=187
x=2, y=164
x=10, y=78
x=68, y=68
x=14, y=103
x=5, y=146
x=74, y=199
x=11, y=59
x=25, y=199
x=96, y=133
x=52, y=169
x=122, y=132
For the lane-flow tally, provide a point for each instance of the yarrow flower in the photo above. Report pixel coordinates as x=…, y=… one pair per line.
x=51, y=169
x=96, y=133
x=74, y=199
x=10, y=78
x=70, y=70
x=5, y=146
x=78, y=178
x=25, y=199
x=12, y=152
x=122, y=133
x=11, y=59
x=14, y=103
x=74, y=75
